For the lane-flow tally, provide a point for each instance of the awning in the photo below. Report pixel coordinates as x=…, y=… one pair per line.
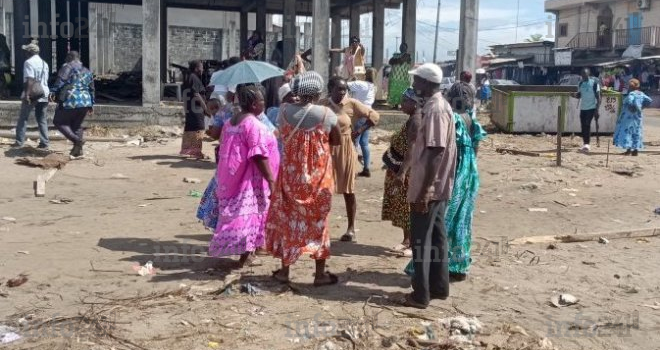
x=505, y=60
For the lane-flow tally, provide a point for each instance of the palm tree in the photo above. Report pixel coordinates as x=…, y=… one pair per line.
x=534, y=38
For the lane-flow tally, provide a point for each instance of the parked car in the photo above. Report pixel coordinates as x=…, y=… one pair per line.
x=570, y=80
x=446, y=83
x=496, y=82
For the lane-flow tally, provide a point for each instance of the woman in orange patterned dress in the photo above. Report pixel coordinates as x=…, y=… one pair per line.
x=298, y=217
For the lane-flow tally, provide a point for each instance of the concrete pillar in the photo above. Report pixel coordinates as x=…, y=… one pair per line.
x=467, y=37
x=410, y=27
x=243, y=32
x=83, y=32
x=232, y=50
x=74, y=16
x=289, y=31
x=93, y=38
x=151, y=51
x=378, y=40
x=321, y=41
x=164, y=63
x=63, y=31
x=21, y=37
x=354, y=22
x=261, y=24
x=308, y=40
x=44, y=32
x=335, y=36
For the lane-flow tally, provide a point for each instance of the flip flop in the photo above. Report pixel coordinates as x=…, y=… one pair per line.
x=333, y=280
x=276, y=277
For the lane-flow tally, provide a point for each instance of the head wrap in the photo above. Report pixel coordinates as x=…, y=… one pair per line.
x=633, y=84
x=467, y=76
x=307, y=84
x=284, y=91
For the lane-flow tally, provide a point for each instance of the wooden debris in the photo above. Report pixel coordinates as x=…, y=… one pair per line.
x=590, y=237
x=40, y=187
x=517, y=152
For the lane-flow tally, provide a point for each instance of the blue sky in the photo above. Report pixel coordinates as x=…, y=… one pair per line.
x=497, y=24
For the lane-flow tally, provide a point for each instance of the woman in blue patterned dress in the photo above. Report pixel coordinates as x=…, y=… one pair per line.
x=458, y=218
x=629, y=131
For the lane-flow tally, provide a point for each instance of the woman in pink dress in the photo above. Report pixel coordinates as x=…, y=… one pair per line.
x=248, y=161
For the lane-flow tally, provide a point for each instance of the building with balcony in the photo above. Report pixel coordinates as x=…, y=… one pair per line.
x=527, y=63
x=606, y=27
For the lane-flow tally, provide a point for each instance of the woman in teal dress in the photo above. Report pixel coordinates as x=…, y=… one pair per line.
x=629, y=130
x=461, y=206
x=399, y=79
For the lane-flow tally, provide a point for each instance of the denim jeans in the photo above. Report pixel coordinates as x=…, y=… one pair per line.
x=42, y=122
x=363, y=142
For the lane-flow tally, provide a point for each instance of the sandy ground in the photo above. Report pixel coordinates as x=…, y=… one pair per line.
x=83, y=292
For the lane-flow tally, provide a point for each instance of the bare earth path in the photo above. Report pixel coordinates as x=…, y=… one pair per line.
x=79, y=259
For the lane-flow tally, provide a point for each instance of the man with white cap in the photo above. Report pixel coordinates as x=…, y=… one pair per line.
x=35, y=71
x=433, y=163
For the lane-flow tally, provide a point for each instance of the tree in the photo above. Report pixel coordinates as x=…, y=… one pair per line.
x=534, y=38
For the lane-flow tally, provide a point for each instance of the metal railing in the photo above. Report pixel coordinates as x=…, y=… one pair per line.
x=591, y=40
x=647, y=36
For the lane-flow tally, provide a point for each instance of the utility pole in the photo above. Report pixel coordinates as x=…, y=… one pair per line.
x=396, y=49
x=517, y=19
x=467, y=37
x=437, y=27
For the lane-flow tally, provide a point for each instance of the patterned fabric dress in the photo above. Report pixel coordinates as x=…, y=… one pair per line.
x=399, y=81
x=629, y=129
x=395, y=204
x=242, y=191
x=207, y=212
x=458, y=218
x=298, y=220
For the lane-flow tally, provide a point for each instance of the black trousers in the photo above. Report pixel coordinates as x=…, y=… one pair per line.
x=429, y=246
x=585, y=122
x=69, y=122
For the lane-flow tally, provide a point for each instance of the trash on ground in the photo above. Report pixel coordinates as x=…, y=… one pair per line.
x=250, y=289
x=8, y=335
x=17, y=282
x=563, y=300
x=147, y=269
x=119, y=176
x=603, y=240
x=61, y=201
x=9, y=219
x=462, y=329
x=657, y=211
x=538, y=210
x=192, y=180
x=214, y=345
x=24, y=252
x=195, y=194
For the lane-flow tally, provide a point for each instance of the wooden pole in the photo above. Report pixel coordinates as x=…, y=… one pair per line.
x=559, y=132
x=607, y=160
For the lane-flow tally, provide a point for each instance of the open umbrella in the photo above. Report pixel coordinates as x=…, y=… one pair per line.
x=246, y=72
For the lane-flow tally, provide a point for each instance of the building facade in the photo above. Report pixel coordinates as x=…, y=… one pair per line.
x=607, y=27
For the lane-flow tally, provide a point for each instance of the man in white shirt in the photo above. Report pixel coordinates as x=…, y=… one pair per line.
x=35, y=71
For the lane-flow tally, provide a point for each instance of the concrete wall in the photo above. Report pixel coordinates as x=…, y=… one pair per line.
x=127, y=44
x=104, y=115
x=511, y=111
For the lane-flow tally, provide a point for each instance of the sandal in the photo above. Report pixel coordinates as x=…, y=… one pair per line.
x=349, y=236
x=276, y=276
x=408, y=301
x=333, y=280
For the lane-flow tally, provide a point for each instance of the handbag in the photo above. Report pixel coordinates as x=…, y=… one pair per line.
x=36, y=91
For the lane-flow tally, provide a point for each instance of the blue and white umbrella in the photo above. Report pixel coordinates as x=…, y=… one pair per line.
x=246, y=72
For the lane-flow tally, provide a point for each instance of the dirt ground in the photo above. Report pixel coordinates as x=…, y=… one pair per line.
x=126, y=205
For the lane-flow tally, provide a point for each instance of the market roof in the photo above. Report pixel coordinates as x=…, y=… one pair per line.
x=303, y=7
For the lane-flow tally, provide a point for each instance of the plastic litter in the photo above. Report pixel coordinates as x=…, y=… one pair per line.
x=147, y=269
